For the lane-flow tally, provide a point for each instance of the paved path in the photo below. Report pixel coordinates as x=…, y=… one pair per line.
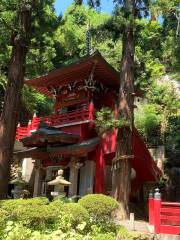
x=140, y=226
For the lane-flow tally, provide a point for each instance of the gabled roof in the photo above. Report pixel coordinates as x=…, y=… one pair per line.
x=80, y=70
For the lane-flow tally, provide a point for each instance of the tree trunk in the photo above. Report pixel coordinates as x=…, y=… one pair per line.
x=121, y=164
x=9, y=116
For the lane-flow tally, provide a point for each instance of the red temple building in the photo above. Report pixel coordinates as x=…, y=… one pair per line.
x=68, y=139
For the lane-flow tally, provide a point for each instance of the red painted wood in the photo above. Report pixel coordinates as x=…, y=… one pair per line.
x=170, y=210
x=151, y=211
x=91, y=114
x=166, y=229
x=79, y=115
x=175, y=204
x=100, y=170
x=166, y=219
x=157, y=221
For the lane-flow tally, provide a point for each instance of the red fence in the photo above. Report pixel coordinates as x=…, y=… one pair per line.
x=55, y=120
x=164, y=216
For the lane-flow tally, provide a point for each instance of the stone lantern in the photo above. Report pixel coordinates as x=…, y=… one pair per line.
x=18, y=183
x=59, y=183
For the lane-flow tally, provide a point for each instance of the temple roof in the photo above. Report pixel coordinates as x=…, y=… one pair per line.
x=78, y=71
x=69, y=150
x=46, y=135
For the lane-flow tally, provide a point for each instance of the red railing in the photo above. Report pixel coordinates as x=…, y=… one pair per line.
x=164, y=216
x=55, y=120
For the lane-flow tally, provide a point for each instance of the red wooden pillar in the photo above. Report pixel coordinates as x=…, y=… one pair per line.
x=157, y=207
x=151, y=208
x=29, y=128
x=100, y=171
x=91, y=113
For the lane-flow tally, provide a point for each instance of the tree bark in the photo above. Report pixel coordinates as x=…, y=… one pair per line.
x=9, y=116
x=121, y=163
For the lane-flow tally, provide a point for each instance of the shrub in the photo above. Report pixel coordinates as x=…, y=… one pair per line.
x=17, y=232
x=10, y=205
x=106, y=236
x=99, y=206
x=3, y=219
x=40, y=216
x=34, y=213
x=75, y=214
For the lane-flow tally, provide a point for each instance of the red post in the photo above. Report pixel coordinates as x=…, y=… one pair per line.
x=151, y=208
x=34, y=122
x=91, y=113
x=29, y=128
x=100, y=170
x=157, y=207
x=17, y=131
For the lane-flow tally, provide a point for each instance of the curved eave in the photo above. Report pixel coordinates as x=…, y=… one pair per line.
x=75, y=149
x=70, y=150
x=42, y=139
x=77, y=71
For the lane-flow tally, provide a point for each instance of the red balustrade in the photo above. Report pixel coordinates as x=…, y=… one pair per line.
x=79, y=115
x=164, y=216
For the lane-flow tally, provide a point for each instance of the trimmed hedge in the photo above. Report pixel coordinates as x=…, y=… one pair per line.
x=99, y=206
x=34, y=213
x=76, y=214
x=11, y=204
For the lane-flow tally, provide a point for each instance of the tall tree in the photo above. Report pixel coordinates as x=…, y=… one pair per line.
x=20, y=42
x=124, y=151
x=121, y=163
x=30, y=43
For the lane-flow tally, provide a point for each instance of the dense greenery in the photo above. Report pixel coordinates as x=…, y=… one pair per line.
x=37, y=219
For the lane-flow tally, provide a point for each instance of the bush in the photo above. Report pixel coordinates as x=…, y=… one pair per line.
x=75, y=214
x=17, y=232
x=34, y=213
x=3, y=219
x=106, y=236
x=10, y=205
x=99, y=206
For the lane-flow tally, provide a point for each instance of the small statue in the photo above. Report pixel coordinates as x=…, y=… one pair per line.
x=59, y=183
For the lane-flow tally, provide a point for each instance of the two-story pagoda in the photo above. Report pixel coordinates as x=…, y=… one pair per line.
x=68, y=139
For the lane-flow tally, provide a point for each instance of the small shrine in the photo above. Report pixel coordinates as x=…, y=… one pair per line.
x=68, y=139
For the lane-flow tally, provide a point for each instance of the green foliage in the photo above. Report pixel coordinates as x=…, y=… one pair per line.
x=99, y=206
x=41, y=52
x=34, y=213
x=76, y=215
x=3, y=219
x=34, y=101
x=16, y=231
x=71, y=37
x=147, y=121
x=9, y=205
x=37, y=219
x=172, y=145
x=105, y=121
x=109, y=236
